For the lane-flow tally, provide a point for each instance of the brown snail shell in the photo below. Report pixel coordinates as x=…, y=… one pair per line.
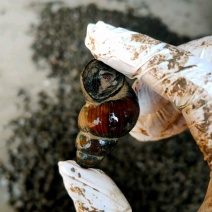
x=110, y=112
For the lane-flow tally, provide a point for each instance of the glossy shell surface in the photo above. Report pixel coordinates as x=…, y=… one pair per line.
x=111, y=119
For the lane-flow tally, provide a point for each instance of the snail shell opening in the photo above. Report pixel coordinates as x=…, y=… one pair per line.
x=101, y=81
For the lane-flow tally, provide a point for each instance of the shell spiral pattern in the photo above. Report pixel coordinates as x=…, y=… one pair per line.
x=110, y=112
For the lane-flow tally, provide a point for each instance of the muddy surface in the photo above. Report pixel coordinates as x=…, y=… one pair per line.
x=168, y=175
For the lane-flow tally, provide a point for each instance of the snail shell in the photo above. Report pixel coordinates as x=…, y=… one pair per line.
x=110, y=112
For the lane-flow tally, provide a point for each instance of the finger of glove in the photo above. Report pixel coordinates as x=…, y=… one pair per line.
x=207, y=203
x=159, y=118
x=91, y=189
x=201, y=47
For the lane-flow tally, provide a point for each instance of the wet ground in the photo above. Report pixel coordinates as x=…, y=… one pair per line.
x=168, y=175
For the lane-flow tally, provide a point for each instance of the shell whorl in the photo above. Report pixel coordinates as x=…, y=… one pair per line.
x=100, y=81
x=110, y=112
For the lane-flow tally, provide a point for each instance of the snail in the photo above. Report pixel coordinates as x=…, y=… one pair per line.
x=110, y=112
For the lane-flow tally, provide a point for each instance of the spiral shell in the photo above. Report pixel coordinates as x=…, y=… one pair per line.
x=110, y=112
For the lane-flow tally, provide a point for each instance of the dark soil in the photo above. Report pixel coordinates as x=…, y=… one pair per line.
x=168, y=175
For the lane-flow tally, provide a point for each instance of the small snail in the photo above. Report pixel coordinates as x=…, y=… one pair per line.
x=110, y=112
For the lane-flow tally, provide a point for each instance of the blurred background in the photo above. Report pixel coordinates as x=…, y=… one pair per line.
x=41, y=56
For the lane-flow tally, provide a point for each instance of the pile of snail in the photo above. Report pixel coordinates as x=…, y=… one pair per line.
x=110, y=112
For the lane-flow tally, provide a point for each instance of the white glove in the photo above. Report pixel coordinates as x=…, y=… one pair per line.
x=174, y=88
x=92, y=189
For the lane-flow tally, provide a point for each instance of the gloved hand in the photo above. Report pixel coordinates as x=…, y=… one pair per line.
x=174, y=88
